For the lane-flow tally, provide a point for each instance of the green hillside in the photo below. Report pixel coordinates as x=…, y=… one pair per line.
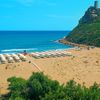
x=88, y=30
x=88, y=34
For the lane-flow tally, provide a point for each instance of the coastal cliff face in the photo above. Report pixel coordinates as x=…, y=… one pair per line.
x=91, y=15
x=88, y=30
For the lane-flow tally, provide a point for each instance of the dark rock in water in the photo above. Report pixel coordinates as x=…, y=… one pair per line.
x=88, y=30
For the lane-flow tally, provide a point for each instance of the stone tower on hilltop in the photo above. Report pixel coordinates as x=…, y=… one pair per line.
x=96, y=4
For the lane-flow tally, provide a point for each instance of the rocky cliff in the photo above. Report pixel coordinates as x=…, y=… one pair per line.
x=88, y=30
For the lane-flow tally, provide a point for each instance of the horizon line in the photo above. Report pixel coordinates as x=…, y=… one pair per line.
x=31, y=30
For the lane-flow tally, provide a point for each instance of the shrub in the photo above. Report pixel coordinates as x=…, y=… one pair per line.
x=40, y=87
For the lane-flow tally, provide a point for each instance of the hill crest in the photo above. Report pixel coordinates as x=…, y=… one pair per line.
x=87, y=32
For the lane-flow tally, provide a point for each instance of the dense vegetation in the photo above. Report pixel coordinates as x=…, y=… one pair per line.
x=88, y=30
x=40, y=87
x=88, y=34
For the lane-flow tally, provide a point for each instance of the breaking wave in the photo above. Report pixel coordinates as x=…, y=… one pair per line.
x=19, y=50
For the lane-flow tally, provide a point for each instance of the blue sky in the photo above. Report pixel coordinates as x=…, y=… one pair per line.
x=41, y=14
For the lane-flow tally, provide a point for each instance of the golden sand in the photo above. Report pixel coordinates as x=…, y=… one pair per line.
x=84, y=67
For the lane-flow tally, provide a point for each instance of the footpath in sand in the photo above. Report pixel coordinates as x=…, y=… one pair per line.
x=84, y=67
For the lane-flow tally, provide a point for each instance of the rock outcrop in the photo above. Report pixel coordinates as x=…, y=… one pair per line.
x=88, y=30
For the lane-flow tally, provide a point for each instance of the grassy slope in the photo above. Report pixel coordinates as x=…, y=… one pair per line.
x=86, y=34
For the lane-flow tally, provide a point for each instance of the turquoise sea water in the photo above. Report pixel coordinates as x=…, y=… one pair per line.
x=18, y=41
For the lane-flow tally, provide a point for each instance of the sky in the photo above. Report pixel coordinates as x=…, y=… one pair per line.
x=41, y=14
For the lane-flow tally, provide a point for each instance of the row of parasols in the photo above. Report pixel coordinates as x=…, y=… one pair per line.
x=10, y=58
x=48, y=54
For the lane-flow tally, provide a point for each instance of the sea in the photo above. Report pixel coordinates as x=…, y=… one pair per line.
x=31, y=41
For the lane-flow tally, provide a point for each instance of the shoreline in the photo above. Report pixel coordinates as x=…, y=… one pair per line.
x=39, y=51
x=63, y=41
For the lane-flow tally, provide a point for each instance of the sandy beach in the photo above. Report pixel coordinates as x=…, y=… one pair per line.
x=83, y=67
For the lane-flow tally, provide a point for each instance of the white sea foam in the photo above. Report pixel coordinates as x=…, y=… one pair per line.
x=18, y=50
